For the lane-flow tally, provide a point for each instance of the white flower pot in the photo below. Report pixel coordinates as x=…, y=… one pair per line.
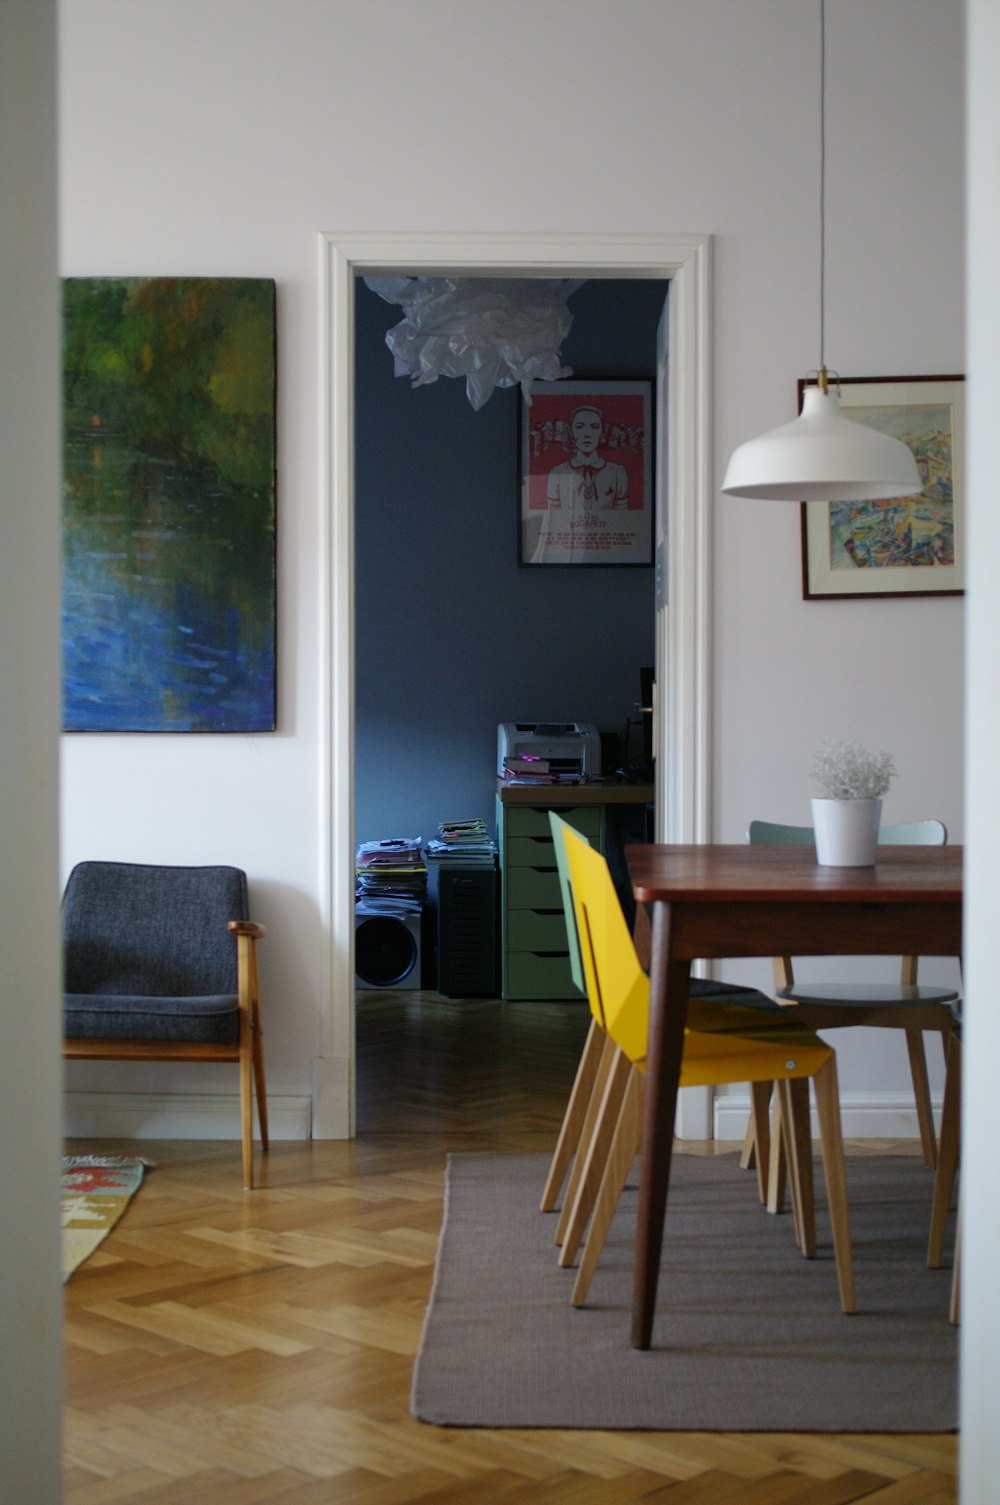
x=846, y=832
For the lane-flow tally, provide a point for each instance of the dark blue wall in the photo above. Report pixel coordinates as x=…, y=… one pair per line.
x=452, y=636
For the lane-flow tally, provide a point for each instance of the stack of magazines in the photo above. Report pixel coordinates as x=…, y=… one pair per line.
x=390, y=876
x=463, y=843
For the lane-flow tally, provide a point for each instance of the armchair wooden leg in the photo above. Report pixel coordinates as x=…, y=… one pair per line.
x=261, y=1089
x=251, y=1047
x=258, y=1057
x=246, y=1109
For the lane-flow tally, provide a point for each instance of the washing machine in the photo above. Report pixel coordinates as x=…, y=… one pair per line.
x=387, y=950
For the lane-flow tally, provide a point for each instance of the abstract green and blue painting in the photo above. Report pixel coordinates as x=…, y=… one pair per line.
x=168, y=587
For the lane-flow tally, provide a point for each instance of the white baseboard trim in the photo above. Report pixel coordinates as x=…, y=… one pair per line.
x=863, y=1116
x=333, y=1110
x=151, y=1115
x=148, y=1115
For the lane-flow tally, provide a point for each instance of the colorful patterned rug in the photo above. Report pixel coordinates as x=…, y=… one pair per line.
x=96, y=1189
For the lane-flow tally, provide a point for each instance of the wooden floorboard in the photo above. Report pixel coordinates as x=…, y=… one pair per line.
x=257, y=1349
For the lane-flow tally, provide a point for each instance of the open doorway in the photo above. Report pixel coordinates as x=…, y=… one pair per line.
x=681, y=643
x=453, y=633
x=458, y=632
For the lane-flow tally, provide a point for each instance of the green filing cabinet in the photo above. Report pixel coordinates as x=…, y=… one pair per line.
x=535, y=955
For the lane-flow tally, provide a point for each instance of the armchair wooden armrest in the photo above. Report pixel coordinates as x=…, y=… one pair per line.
x=247, y=927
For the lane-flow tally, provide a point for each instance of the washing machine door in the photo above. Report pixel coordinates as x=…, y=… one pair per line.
x=387, y=951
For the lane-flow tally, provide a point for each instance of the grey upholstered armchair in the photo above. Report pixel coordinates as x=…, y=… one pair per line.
x=161, y=964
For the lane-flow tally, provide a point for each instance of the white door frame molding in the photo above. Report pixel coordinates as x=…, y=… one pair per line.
x=683, y=653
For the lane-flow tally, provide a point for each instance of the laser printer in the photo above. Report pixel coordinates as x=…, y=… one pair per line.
x=570, y=747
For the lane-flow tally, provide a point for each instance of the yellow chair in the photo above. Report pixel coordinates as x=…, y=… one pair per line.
x=599, y=1081
x=723, y=1043
x=576, y=1127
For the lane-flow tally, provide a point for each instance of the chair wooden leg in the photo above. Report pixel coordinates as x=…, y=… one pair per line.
x=955, y=1312
x=261, y=1089
x=247, y=985
x=624, y=1147
x=831, y=1138
x=777, y=1163
x=258, y=1058
x=759, y=1135
x=748, y=1155
x=944, y=1180
x=596, y=1157
x=246, y=1109
x=794, y=1097
x=576, y=1111
x=922, y=1095
x=590, y=1120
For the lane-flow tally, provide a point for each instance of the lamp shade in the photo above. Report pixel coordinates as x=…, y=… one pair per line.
x=822, y=457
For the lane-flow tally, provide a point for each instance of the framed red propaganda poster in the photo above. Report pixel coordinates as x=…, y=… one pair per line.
x=586, y=474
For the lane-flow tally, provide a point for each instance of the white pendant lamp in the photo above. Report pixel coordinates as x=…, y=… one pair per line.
x=822, y=456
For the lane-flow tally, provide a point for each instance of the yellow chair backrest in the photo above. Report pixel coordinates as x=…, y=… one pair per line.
x=727, y=1043
x=617, y=987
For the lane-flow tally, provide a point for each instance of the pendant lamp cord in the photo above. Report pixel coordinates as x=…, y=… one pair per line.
x=822, y=195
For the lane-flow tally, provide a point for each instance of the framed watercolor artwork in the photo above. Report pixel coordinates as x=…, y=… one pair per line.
x=586, y=495
x=909, y=546
x=168, y=561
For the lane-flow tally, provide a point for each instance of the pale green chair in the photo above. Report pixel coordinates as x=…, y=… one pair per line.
x=913, y=1007
x=947, y=1166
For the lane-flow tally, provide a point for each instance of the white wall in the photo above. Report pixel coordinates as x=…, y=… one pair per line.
x=30, y=1298
x=980, y=1362
x=220, y=136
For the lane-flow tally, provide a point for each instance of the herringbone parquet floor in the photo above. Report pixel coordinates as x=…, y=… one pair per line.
x=225, y=1348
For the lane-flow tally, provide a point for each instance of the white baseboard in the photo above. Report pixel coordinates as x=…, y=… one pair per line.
x=863, y=1116
x=148, y=1115
x=151, y=1115
x=333, y=1114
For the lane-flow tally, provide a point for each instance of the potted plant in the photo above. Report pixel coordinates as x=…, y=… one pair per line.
x=846, y=817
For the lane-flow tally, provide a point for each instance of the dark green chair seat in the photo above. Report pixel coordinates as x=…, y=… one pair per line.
x=114, y=1016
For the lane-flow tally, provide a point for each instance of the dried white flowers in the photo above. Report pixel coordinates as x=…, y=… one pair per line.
x=845, y=771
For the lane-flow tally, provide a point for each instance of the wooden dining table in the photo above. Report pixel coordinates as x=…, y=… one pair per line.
x=709, y=901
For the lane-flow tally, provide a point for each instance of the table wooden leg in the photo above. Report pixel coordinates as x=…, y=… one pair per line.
x=669, y=981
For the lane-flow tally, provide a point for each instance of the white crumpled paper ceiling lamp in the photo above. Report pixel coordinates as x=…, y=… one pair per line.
x=496, y=332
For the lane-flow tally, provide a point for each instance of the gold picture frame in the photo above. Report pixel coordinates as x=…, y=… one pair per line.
x=911, y=546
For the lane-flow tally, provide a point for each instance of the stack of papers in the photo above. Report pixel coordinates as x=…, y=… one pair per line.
x=463, y=843
x=531, y=769
x=390, y=876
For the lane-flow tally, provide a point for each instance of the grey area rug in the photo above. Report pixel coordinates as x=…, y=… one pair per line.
x=749, y=1336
